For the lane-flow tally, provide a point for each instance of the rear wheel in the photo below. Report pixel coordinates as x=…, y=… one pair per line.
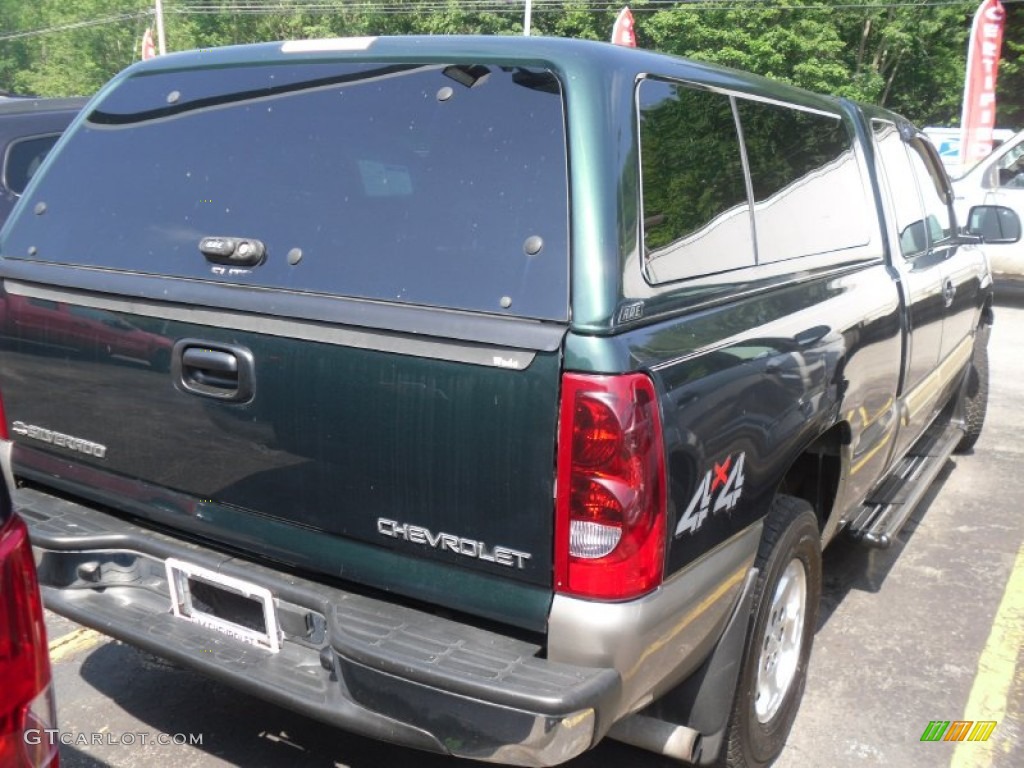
x=779, y=644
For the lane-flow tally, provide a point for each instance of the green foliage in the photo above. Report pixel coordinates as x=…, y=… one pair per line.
x=796, y=44
x=573, y=19
x=1010, y=85
x=916, y=57
x=71, y=61
x=907, y=55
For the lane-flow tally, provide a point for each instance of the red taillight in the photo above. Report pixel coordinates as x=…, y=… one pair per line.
x=26, y=705
x=610, y=505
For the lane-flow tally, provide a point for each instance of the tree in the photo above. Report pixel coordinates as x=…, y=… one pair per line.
x=70, y=61
x=911, y=58
x=798, y=43
x=1010, y=84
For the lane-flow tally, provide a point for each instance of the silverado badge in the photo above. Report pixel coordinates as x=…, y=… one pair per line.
x=70, y=442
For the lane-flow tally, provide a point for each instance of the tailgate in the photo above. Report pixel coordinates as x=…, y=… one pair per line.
x=309, y=309
x=446, y=460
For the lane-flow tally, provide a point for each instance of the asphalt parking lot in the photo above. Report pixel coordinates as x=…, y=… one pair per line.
x=930, y=630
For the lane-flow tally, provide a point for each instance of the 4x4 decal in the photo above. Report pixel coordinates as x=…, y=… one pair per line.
x=720, y=489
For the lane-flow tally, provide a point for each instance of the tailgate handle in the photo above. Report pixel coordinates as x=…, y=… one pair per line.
x=211, y=366
x=220, y=371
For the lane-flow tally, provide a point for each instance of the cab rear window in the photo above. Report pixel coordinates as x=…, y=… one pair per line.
x=439, y=185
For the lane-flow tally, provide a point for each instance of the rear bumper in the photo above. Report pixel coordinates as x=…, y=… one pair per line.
x=372, y=667
x=1007, y=265
x=1009, y=285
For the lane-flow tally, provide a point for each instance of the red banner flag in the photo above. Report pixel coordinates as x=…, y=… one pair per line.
x=148, y=49
x=623, y=32
x=979, y=115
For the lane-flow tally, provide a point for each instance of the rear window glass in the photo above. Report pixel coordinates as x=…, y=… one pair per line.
x=437, y=185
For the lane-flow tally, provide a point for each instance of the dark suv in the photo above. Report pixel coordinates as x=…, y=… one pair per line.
x=28, y=130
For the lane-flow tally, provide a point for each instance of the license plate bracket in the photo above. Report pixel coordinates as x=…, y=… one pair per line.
x=231, y=606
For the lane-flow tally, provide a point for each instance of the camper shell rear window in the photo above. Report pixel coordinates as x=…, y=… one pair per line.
x=436, y=184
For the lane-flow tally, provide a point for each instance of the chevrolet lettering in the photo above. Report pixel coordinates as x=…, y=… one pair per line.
x=460, y=546
x=626, y=400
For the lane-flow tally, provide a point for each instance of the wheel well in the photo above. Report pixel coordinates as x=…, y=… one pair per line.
x=814, y=476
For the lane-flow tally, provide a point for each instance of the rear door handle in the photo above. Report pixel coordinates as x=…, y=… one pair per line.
x=211, y=369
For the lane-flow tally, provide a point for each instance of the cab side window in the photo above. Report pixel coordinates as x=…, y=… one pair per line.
x=809, y=195
x=936, y=195
x=696, y=215
x=901, y=180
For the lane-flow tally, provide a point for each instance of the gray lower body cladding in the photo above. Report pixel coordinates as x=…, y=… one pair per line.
x=386, y=670
x=382, y=670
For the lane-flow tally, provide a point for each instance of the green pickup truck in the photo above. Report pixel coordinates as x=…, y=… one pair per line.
x=514, y=385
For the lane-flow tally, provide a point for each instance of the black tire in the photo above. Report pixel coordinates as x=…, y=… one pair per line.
x=974, y=395
x=760, y=724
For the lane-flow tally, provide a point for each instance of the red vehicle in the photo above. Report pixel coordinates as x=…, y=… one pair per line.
x=27, y=701
x=95, y=331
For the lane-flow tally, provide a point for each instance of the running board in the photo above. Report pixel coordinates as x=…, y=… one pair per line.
x=887, y=509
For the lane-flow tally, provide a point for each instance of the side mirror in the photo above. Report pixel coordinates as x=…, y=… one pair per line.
x=995, y=224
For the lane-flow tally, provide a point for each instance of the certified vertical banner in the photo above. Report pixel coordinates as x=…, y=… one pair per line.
x=148, y=50
x=979, y=116
x=623, y=32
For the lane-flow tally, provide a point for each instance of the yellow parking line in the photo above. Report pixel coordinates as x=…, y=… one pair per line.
x=996, y=672
x=81, y=639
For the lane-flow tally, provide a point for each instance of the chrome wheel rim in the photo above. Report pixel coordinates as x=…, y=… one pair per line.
x=782, y=641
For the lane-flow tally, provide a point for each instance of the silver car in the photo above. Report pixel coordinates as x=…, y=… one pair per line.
x=998, y=180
